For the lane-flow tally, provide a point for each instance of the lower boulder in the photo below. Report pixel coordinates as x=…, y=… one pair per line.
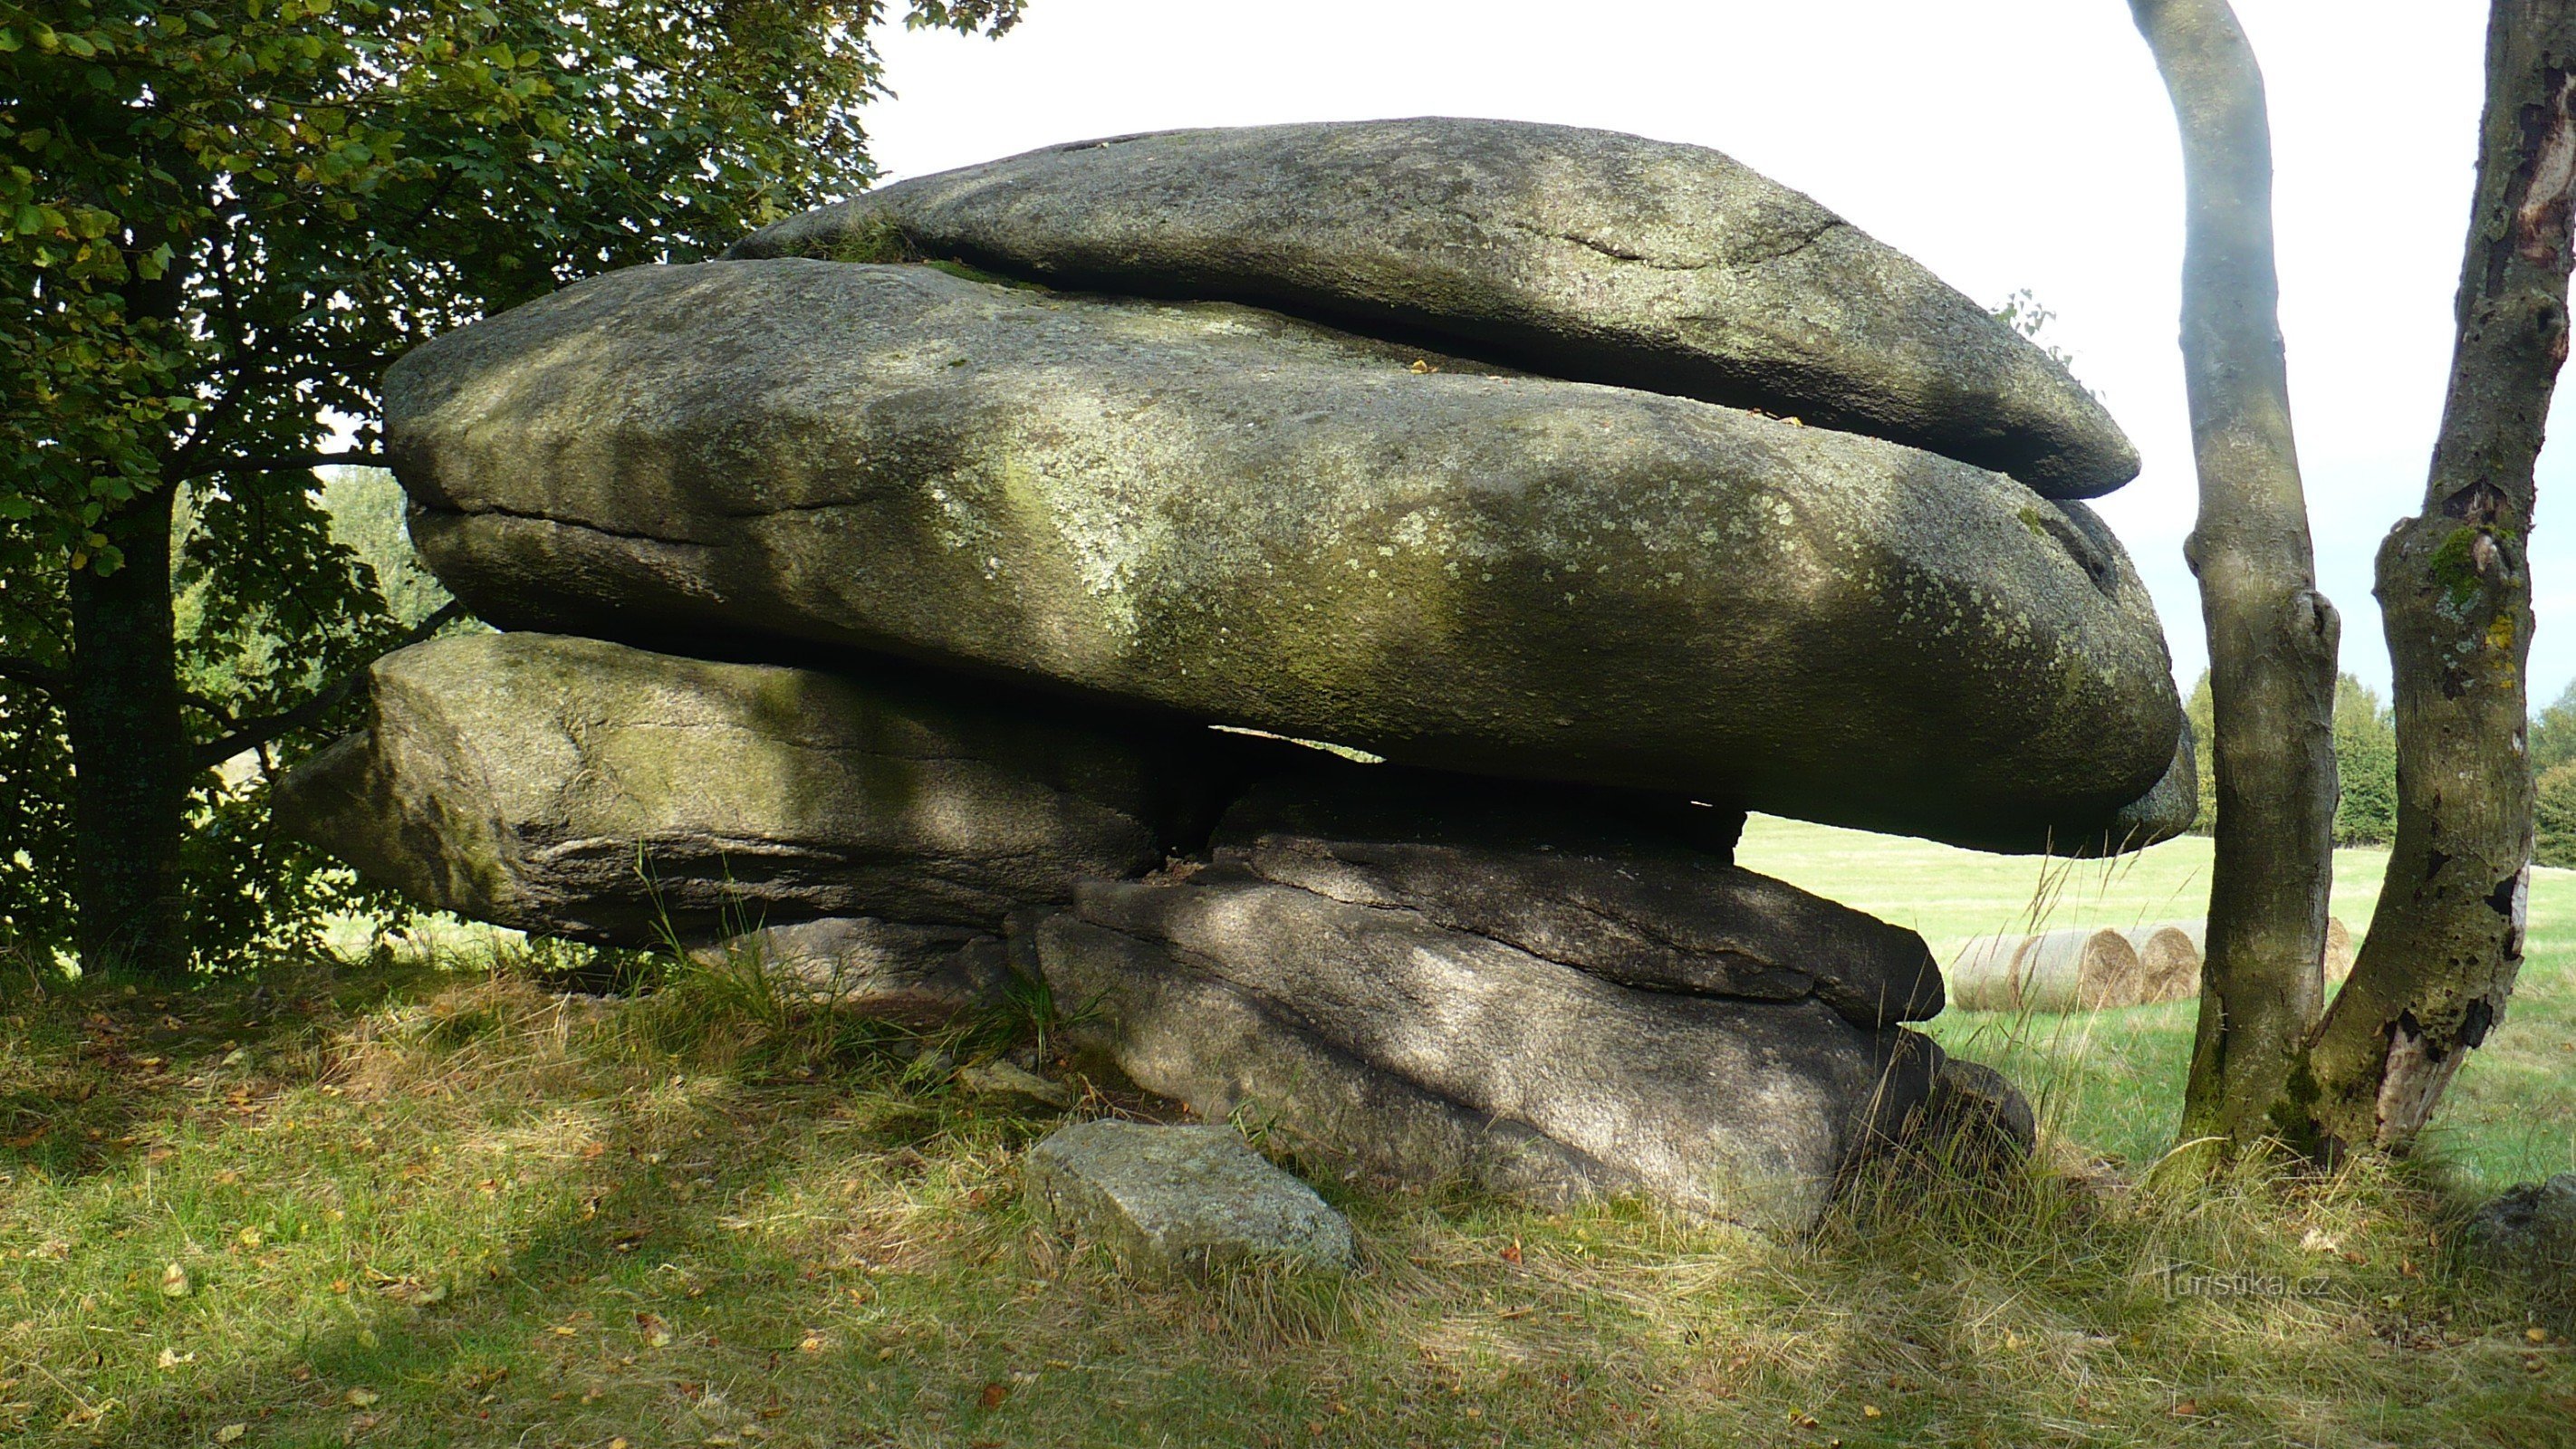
x=1383, y=1008
x=584, y=789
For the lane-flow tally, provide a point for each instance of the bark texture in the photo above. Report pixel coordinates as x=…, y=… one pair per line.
x=129, y=755
x=2272, y=636
x=2455, y=588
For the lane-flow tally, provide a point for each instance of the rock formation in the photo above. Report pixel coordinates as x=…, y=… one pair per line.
x=1257, y=522
x=1604, y=487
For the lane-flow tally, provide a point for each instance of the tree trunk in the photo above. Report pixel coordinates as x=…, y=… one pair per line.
x=2272, y=636
x=2455, y=586
x=129, y=754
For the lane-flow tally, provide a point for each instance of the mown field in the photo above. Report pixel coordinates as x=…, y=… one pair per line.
x=444, y=1203
x=2112, y=1080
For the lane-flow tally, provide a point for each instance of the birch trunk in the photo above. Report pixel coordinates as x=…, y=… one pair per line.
x=2272, y=636
x=2439, y=961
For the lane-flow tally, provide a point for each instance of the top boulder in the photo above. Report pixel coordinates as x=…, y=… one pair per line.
x=1581, y=254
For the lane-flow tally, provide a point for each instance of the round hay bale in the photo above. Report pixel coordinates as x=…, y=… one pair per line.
x=2162, y=947
x=2339, y=950
x=2168, y=960
x=2078, y=970
x=1981, y=976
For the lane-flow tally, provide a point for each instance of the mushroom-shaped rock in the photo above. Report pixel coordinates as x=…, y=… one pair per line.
x=1577, y=253
x=1248, y=520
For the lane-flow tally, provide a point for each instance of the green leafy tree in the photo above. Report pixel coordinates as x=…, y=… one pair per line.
x=2555, y=817
x=2198, y=713
x=2365, y=740
x=218, y=223
x=2553, y=734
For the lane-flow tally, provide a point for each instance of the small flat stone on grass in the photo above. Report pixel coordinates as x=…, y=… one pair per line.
x=1179, y=1201
x=1004, y=1079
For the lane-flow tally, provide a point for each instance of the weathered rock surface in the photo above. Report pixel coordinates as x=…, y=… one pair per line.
x=1179, y=1201
x=1010, y=1079
x=1416, y=1051
x=585, y=789
x=1577, y=253
x=1621, y=896
x=1254, y=521
x=1975, y=1119
x=2531, y=1230
x=893, y=970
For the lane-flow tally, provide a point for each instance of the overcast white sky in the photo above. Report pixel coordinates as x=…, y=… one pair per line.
x=2006, y=143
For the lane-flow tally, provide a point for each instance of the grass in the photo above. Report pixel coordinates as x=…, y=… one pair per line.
x=2113, y=1080
x=438, y=1203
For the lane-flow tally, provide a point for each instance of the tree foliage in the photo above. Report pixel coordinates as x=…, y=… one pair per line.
x=219, y=222
x=2553, y=734
x=2555, y=817
x=2199, y=716
x=2365, y=739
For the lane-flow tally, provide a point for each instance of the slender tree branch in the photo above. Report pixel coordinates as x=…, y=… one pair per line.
x=254, y=733
x=27, y=671
x=288, y=464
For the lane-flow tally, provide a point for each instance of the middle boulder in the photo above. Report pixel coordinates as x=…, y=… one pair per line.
x=1251, y=520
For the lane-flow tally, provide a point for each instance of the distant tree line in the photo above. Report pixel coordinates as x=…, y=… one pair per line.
x=2366, y=761
x=2553, y=760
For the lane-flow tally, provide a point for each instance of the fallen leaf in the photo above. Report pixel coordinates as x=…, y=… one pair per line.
x=2186, y=1408
x=657, y=1334
x=1870, y=1411
x=231, y=1433
x=994, y=1394
x=2536, y=1335
x=360, y=1398
x=1512, y=1254
x=172, y=1358
x=810, y=1345
x=175, y=1282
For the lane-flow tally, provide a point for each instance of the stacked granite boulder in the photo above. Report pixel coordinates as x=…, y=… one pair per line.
x=879, y=585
